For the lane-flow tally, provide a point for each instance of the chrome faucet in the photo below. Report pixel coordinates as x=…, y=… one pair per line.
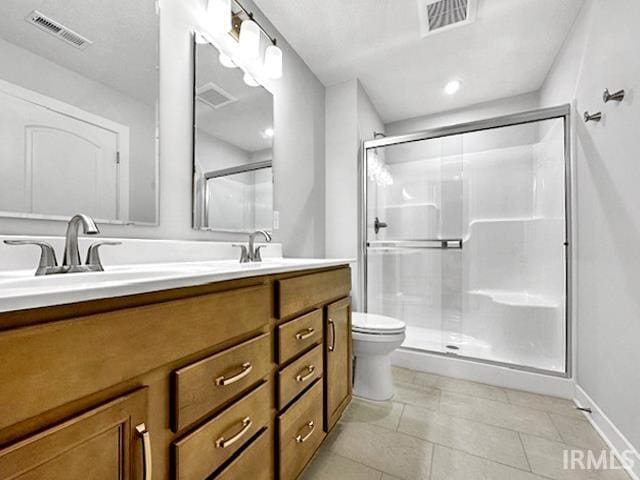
x=71, y=263
x=71, y=257
x=252, y=253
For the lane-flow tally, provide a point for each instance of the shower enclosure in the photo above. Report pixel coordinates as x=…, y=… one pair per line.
x=465, y=238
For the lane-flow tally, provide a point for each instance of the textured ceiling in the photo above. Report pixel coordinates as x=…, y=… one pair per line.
x=507, y=51
x=123, y=55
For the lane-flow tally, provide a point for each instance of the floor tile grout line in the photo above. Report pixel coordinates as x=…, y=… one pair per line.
x=382, y=472
x=526, y=455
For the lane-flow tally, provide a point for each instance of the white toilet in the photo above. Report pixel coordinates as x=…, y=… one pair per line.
x=374, y=338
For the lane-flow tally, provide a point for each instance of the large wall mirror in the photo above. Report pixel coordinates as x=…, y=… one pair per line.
x=233, y=136
x=78, y=115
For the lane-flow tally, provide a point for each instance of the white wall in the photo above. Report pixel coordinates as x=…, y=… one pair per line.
x=351, y=118
x=298, y=146
x=602, y=51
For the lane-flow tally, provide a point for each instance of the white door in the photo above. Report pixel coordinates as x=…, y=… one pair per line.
x=57, y=164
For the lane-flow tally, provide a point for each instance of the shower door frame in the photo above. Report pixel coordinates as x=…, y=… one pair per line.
x=559, y=112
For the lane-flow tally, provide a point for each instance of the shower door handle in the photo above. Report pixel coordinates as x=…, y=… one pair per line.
x=425, y=243
x=377, y=225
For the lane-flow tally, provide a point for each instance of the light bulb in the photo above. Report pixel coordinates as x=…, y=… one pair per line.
x=219, y=15
x=249, y=39
x=273, y=62
x=268, y=132
x=226, y=61
x=452, y=87
x=249, y=80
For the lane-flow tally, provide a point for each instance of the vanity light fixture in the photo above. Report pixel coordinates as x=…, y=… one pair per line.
x=219, y=16
x=200, y=39
x=249, y=40
x=452, y=87
x=250, y=80
x=273, y=62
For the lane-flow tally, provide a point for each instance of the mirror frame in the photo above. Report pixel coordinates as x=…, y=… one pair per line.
x=156, y=174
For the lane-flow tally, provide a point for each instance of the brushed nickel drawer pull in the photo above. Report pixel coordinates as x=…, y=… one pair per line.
x=304, y=378
x=306, y=333
x=224, y=443
x=312, y=426
x=146, y=450
x=332, y=324
x=245, y=370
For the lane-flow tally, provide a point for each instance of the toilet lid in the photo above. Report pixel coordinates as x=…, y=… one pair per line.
x=372, y=323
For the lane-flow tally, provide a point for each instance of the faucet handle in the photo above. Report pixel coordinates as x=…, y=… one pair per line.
x=244, y=253
x=47, y=254
x=257, y=256
x=93, y=255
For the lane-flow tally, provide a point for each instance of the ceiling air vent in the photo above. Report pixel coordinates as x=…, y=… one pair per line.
x=57, y=30
x=441, y=15
x=214, y=96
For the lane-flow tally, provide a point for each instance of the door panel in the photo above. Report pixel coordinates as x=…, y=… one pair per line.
x=101, y=444
x=338, y=360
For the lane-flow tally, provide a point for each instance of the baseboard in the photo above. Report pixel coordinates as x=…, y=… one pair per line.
x=607, y=430
x=484, y=373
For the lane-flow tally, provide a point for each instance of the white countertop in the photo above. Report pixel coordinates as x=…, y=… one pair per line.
x=20, y=289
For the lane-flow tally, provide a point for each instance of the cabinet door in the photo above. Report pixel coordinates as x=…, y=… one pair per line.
x=337, y=360
x=109, y=442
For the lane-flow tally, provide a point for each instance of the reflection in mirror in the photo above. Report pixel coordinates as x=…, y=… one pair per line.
x=233, y=135
x=78, y=89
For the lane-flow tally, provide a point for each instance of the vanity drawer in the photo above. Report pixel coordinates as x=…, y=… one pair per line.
x=255, y=463
x=298, y=294
x=200, y=453
x=298, y=335
x=202, y=386
x=300, y=432
x=299, y=375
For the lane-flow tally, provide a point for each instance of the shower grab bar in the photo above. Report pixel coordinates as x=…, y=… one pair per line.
x=441, y=243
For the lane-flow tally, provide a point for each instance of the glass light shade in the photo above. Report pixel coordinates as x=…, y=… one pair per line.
x=273, y=62
x=249, y=80
x=249, y=39
x=226, y=61
x=219, y=16
x=200, y=39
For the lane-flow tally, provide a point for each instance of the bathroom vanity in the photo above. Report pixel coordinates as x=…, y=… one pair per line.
x=228, y=379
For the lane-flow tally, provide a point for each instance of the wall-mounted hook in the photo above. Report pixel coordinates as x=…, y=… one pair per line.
x=592, y=117
x=608, y=96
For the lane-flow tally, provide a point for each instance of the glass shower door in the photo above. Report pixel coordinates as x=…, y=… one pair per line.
x=414, y=239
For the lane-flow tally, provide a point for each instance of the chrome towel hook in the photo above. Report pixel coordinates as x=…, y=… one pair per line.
x=592, y=117
x=616, y=96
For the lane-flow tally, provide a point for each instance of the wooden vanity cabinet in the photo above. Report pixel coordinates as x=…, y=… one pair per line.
x=105, y=443
x=338, y=360
x=235, y=379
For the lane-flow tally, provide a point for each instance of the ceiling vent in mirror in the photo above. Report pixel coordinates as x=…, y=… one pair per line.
x=441, y=15
x=57, y=30
x=214, y=96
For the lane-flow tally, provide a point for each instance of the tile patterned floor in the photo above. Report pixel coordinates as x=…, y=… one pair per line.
x=441, y=428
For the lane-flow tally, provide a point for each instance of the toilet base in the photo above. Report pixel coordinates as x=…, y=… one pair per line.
x=372, y=378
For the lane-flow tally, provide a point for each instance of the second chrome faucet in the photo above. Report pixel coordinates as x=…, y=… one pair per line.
x=251, y=253
x=71, y=262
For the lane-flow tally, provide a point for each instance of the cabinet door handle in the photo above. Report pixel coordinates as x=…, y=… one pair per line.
x=224, y=443
x=245, y=369
x=306, y=333
x=332, y=324
x=307, y=376
x=146, y=450
x=311, y=426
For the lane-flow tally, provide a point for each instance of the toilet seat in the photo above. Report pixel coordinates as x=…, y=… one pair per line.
x=372, y=324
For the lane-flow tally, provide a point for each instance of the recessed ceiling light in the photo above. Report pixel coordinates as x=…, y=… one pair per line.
x=452, y=87
x=268, y=132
